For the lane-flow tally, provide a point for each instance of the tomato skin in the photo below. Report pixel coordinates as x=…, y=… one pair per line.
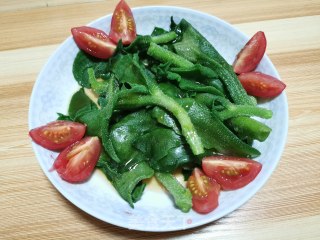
x=57, y=135
x=251, y=54
x=231, y=172
x=123, y=25
x=93, y=41
x=76, y=163
x=261, y=85
x=205, y=192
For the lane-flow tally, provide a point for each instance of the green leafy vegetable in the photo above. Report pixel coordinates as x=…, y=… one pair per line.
x=163, y=103
x=105, y=117
x=79, y=101
x=214, y=134
x=182, y=196
x=164, y=118
x=128, y=184
x=81, y=64
x=124, y=133
x=250, y=128
x=164, y=149
x=196, y=48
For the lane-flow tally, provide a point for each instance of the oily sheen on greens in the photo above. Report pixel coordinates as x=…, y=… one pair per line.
x=164, y=102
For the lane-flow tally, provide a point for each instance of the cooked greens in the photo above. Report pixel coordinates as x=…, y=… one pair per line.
x=164, y=102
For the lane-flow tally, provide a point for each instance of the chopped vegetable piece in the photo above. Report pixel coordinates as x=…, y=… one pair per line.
x=251, y=54
x=250, y=128
x=261, y=85
x=205, y=192
x=129, y=184
x=197, y=49
x=165, y=55
x=231, y=172
x=182, y=196
x=76, y=163
x=93, y=41
x=123, y=25
x=58, y=135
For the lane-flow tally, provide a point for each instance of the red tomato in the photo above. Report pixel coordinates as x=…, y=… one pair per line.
x=205, y=192
x=58, y=135
x=123, y=25
x=76, y=162
x=250, y=56
x=261, y=85
x=93, y=41
x=231, y=172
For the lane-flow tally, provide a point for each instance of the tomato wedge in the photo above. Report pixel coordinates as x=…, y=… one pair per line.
x=231, y=172
x=250, y=56
x=93, y=41
x=58, y=135
x=261, y=85
x=123, y=25
x=76, y=162
x=205, y=192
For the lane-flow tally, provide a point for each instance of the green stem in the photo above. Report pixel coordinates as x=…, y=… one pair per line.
x=162, y=100
x=250, y=127
x=231, y=81
x=188, y=130
x=244, y=110
x=164, y=55
x=181, y=196
x=106, y=113
x=164, y=38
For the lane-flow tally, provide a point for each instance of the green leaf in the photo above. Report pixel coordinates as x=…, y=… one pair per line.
x=197, y=49
x=83, y=110
x=166, y=119
x=126, y=183
x=176, y=157
x=64, y=117
x=158, y=31
x=138, y=191
x=214, y=134
x=195, y=72
x=106, y=114
x=198, y=87
x=200, y=74
x=156, y=143
x=171, y=90
x=141, y=43
x=98, y=87
x=193, y=44
x=82, y=62
x=79, y=101
x=92, y=119
x=126, y=71
x=125, y=132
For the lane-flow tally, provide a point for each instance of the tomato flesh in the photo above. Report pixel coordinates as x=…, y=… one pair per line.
x=76, y=163
x=251, y=54
x=58, y=135
x=123, y=25
x=261, y=85
x=231, y=172
x=205, y=192
x=93, y=41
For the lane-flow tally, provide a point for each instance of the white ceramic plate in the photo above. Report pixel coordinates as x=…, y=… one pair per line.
x=155, y=211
